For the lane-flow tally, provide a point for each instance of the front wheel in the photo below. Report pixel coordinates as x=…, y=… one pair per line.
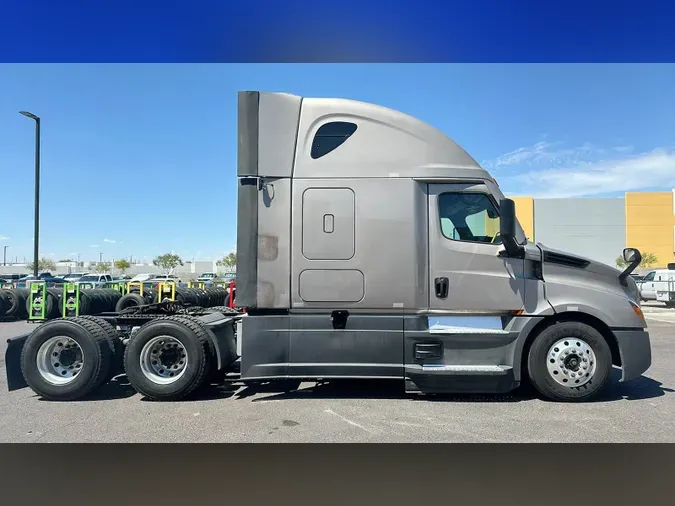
x=570, y=361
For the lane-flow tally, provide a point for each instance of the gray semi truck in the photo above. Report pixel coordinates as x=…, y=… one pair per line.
x=370, y=245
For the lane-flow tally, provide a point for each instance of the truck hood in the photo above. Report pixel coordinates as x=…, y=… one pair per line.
x=574, y=261
x=568, y=268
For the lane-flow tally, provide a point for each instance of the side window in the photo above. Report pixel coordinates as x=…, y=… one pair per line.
x=330, y=136
x=650, y=276
x=469, y=217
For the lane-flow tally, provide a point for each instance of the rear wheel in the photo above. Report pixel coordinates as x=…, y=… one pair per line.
x=116, y=346
x=65, y=360
x=570, y=361
x=168, y=358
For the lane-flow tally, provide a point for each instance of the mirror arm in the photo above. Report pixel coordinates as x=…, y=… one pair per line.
x=631, y=267
x=512, y=249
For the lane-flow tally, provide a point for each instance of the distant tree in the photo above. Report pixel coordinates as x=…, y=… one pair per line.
x=648, y=260
x=44, y=264
x=102, y=267
x=65, y=260
x=122, y=265
x=229, y=260
x=167, y=262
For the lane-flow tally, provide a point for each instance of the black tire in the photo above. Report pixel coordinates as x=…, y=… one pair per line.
x=51, y=304
x=115, y=343
x=4, y=305
x=95, y=349
x=199, y=358
x=130, y=300
x=16, y=303
x=670, y=304
x=213, y=375
x=538, y=359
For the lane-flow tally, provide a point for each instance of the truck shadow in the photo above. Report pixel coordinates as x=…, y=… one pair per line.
x=641, y=388
x=637, y=389
x=117, y=388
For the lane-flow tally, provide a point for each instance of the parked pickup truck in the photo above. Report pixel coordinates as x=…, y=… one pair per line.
x=95, y=280
x=659, y=285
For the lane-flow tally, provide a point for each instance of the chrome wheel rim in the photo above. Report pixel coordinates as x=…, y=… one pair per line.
x=59, y=360
x=571, y=362
x=163, y=360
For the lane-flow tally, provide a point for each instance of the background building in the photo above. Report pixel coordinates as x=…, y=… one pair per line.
x=599, y=228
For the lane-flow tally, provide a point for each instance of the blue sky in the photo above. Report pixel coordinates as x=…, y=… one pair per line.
x=122, y=142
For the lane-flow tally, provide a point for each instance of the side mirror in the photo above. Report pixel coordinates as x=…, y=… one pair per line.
x=631, y=254
x=633, y=257
x=507, y=227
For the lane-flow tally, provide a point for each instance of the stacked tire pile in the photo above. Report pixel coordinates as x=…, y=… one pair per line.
x=98, y=300
x=13, y=303
x=53, y=303
x=200, y=297
x=135, y=299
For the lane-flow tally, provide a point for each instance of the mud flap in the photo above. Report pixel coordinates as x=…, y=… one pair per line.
x=15, y=380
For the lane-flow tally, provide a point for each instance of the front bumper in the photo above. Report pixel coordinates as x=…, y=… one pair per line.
x=636, y=352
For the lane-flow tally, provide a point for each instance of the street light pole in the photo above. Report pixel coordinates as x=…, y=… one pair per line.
x=4, y=256
x=37, y=190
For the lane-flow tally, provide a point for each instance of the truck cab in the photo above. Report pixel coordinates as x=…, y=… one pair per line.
x=371, y=245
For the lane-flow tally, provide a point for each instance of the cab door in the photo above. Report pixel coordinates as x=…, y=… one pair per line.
x=466, y=271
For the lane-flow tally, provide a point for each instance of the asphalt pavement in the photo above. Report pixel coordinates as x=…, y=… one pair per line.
x=641, y=410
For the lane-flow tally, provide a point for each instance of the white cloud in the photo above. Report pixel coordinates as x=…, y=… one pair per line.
x=4, y=238
x=551, y=154
x=521, y=156
x=93, y=245
x=110, y=241
x=578, y=177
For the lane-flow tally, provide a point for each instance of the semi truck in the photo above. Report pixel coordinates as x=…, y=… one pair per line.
x=370, y=245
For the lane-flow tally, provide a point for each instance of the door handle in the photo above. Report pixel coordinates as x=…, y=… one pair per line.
x=441, y=285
